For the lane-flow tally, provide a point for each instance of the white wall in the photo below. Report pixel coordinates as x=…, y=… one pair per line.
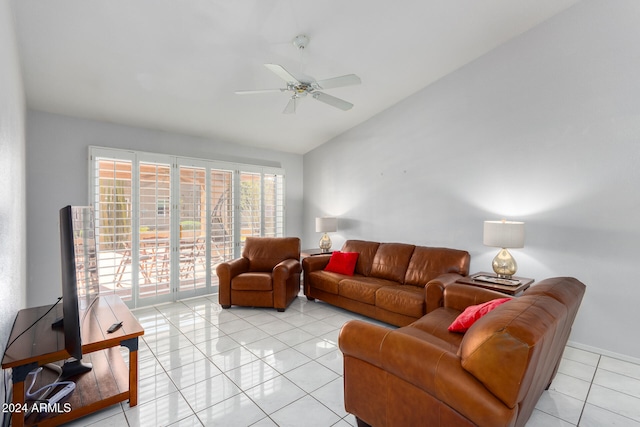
x=12, y=183
x=544, y=129
x=12, y=178
x=57, y=175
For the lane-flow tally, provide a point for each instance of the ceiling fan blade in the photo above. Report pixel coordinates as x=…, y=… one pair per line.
x=279, y=71
x=291, y=106
x=348, y=80
x=332, y=100
x=251, y=92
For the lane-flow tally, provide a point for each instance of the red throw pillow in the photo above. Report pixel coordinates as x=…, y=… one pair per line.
x=472, y=313
x=342, y=262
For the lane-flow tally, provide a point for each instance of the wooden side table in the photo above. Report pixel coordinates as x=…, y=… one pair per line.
x=109, y=382
x=476, y=280
x=313, y=252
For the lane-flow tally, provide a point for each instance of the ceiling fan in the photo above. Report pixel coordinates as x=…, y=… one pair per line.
x=302, y=88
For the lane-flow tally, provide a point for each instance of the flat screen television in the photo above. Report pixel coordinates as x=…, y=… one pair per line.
x=79, y=281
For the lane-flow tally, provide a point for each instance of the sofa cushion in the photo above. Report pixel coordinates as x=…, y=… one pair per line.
x=429, y=263
x=474, y=312
x=436, y=324
x=362, y=289
x=326, y=281
x=252, y=282
x=391, y=261
x=402, y=299
x=366, y=252
x=264, y=253
x=342, y=262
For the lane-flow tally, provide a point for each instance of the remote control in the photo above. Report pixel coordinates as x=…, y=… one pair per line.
x=114, y=327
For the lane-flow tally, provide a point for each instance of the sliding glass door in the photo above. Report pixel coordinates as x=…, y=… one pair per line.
x=164, y=223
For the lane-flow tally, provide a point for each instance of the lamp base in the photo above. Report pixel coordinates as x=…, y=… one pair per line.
x=325, y=243
x=504, y=265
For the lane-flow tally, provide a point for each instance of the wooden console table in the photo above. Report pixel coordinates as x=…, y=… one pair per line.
x=109, y=382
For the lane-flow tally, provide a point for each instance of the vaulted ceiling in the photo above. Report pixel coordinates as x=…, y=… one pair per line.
x=174, y=65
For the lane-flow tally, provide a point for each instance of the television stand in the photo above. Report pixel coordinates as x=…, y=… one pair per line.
x=109, y=382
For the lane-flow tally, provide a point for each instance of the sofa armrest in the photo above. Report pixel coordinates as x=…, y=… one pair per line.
x=315, y=262
x=311, y=264
x=434, y=290
x=423, y=364
x=226, y=271
x=459, y=296
x=285, y=269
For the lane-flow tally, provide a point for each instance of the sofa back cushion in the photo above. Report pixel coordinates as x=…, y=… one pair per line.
x=391, y=261
x=366, y=252
x=507, y=349
x=428, y=263
x=264, y=253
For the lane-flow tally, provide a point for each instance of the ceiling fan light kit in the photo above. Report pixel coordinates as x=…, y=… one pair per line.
x=302, y=88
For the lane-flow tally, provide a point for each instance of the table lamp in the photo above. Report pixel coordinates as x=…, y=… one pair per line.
x=326, y=225
x=504, y=234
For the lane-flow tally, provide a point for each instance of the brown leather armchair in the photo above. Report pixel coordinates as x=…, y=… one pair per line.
x=267, y=274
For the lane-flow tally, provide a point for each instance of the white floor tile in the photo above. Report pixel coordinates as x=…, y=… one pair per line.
x=252, y=374
x=593, y=416
x=217, y=345
x=571, y=386
x=163, y=411
x=232, y=359
x=266, y=346
x=294, y=336
x=154, y=387
x=620, y=367
x=311, y=376
x=614, y=401
x=318, y=414
x=210, y=392
x=577, y=369
x=191, y=421
x=331, y=395
x=184, y=356
x=333, y=361
x=164, y=342
x=316, y=347
x=238, y=410
x=542, y=419
x=192, y=373
x=582, y=356
x=247, y=336
x=618, y=382
x=286, y=360
x=275, y=394
x=560, y=406
x=201, y=335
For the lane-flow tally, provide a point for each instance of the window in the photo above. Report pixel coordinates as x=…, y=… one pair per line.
x=165, y=222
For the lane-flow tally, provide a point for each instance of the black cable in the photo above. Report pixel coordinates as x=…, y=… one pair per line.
x=32, y=325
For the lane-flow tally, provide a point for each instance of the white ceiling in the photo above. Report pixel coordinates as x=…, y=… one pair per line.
x=174, y=65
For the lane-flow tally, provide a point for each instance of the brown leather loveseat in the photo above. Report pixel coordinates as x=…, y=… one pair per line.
x=394, y=282
x=491, y=375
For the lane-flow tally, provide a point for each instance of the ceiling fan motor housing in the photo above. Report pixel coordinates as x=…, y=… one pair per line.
x=301, y=41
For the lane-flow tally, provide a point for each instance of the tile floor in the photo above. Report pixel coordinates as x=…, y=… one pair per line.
x=201, y=365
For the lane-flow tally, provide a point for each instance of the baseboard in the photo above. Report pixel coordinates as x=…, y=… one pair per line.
x=604, y=352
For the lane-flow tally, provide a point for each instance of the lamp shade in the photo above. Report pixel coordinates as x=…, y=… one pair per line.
x=326, y=225
x=503, y=234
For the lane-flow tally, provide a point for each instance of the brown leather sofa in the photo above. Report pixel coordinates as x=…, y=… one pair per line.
x=492, y=375
x=267, y=274
x=396, y=283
